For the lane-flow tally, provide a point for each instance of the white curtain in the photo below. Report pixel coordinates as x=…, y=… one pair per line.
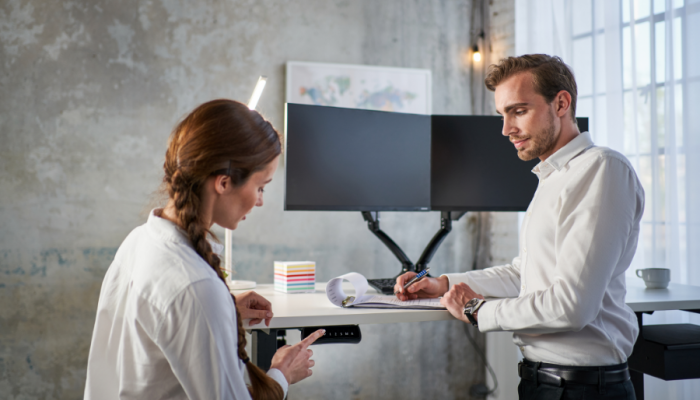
x=637, y=65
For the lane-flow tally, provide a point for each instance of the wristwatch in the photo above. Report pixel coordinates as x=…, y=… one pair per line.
x=471, y=308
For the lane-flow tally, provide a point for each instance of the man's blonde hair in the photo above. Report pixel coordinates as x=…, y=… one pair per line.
x=550, y=75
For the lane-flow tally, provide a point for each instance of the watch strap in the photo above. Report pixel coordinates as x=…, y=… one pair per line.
x=470, y=308
x=471, y=319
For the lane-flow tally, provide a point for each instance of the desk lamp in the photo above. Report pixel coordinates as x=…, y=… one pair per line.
x=228, y=240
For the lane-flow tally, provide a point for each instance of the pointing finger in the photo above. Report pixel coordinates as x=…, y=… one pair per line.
x=312, y=338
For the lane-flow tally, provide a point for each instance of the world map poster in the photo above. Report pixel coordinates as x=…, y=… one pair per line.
x=404, y=90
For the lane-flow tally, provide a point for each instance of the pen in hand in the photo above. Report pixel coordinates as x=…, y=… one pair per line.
x=415, y=279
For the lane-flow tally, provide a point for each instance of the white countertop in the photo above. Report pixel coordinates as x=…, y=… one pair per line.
x=675, y=297
x=314, y=309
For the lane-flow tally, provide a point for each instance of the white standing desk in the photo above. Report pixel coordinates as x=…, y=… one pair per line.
x=652, y=358
x=675, y=297
x=301, y=310
x=314, y=309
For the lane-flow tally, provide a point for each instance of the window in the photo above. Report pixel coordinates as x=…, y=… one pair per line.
x=637, y=65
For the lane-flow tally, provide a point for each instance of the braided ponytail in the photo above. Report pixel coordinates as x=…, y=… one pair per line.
x=217, y=133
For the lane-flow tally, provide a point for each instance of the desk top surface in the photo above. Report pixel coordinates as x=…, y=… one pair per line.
x=675, y=297
x=314, y=309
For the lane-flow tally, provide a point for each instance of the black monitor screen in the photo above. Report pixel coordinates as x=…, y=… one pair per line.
x=356, y=160
x=476, y=168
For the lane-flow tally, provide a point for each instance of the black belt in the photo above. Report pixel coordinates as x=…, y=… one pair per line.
x=559, y=375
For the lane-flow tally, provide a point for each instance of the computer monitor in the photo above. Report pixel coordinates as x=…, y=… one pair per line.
x=356, y=160
x=475, y=168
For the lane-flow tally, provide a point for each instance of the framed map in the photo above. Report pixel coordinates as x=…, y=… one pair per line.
x=402, y=90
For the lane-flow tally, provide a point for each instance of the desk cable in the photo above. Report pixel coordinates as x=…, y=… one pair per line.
x=479, y=389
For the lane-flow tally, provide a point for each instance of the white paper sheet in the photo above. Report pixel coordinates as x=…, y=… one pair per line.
x=334, y=288
x=393, y=302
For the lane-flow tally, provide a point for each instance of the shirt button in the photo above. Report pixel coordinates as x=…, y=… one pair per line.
x=522, y=349
x=529, y=213
x=525, y=250
x=522, y=288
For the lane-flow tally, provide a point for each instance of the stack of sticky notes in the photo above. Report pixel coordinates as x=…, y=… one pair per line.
x=295, y=276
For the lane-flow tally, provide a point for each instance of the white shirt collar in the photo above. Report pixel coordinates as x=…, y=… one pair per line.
x=167, y=231
x=561, y=157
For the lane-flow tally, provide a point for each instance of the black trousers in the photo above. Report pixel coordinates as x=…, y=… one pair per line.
x=530, y=390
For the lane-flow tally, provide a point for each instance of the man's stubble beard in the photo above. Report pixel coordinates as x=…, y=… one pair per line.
x=540, y=143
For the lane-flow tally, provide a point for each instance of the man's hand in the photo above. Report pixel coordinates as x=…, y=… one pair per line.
x=457, y=298
x=423, y=289
x=295, y=361
x=254, y=307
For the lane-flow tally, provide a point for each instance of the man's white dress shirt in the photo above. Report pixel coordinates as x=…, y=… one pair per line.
x=166, y=324
x=563, y=296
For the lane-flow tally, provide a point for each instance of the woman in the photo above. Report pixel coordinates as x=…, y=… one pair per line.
x=167, y=326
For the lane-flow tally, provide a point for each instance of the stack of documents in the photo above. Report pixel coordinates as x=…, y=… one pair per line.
x=295, y=276
x=335, y=293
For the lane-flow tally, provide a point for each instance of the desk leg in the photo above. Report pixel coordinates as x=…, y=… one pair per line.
x=265, y=345
x=636, y=376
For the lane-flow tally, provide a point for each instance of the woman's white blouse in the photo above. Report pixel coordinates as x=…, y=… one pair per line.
x=166, y=325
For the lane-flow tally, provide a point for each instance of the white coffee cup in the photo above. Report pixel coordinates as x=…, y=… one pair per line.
x=655, y=278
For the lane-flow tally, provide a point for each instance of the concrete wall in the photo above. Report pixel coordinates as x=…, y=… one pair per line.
x=90, y=91
x=499, y=27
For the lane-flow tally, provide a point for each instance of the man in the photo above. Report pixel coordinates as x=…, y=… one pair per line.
x=563, y=297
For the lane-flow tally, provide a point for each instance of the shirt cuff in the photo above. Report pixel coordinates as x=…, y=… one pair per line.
x=278, y=376
x=455, y=278
x=486, y=317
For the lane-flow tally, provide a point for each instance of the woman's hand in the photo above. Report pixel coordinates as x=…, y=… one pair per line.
x=295, y=361
x=254, y=307
x=423, y=289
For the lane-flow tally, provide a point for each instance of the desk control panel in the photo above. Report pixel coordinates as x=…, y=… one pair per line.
x=348, y=334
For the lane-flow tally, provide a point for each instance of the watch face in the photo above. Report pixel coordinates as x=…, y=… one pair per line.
x=469, y=309
x=470, y=305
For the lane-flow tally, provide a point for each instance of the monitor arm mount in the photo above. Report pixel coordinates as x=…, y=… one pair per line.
x=372, y=218
x=446, y=218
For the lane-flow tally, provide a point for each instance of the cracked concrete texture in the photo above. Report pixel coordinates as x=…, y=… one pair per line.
x=90, y=92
